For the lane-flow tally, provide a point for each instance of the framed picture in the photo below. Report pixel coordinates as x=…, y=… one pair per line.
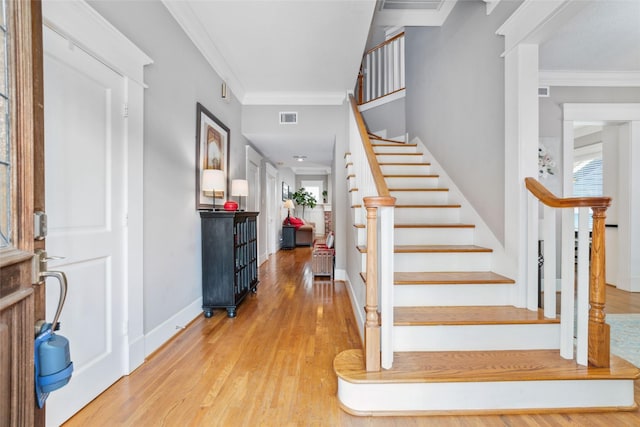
x=285, y=191
x=212, y=152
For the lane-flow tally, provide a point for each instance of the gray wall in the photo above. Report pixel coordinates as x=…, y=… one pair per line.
x=389, y=117
x=551, y=108
x=455, y=101
x=178, y=78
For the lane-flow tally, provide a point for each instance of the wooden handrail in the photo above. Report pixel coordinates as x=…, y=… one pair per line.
x=549, y=199
x=599, y=334
x=378, y=178
x=384, y=43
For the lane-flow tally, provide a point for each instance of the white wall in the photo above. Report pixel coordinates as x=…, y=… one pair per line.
x=455, y=102
x=178, y=79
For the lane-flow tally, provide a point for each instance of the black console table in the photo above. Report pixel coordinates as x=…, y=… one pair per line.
x=229, y=259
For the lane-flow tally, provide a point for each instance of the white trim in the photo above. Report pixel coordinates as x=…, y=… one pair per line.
x=589, y=78
x=449, y=398
x=167, y=329
x=414, y=17
x=535, y=20
x=86, y=28
x=601, y=112
x=82, y=25
x=192, y=26
x=293, y=98
x=491, y=5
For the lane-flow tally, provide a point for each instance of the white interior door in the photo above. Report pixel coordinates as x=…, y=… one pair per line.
x=85, y=199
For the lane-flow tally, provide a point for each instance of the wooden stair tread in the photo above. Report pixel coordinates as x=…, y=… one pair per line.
x=440, y=225
x=359, y=225
x=411, y=176
x=404, y=164
x=418, y=189
x=391, y=143
x=428, y=206
x=468, y=315
x=478, y=366
x=433, y=249
x=450, y=278
x=396, y=154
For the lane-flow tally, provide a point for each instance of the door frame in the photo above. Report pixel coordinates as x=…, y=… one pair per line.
x=86, y=29
x=271, y=209
x=629, y=200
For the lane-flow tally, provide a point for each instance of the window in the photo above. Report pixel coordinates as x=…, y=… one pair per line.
x=587, y=174
x=5, y=146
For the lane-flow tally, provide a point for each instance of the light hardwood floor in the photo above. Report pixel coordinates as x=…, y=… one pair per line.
x=272, y=366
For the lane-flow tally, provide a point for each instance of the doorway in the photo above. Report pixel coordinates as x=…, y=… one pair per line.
x=93, y=164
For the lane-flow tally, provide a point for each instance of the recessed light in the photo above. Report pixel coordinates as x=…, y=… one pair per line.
x=300, y=158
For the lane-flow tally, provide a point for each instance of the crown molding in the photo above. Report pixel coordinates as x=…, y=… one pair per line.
x=589, y=78
x=414, y=17
x=191, y=25
x=84, y=27
x=293, y=98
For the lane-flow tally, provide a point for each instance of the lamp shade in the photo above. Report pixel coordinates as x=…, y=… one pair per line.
x=212, y=180
x=239, y=187
x=288, y=204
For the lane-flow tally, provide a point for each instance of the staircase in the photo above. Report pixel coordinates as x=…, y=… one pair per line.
x=459, y=346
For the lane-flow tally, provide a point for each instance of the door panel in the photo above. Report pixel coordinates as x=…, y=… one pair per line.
x=84, y=153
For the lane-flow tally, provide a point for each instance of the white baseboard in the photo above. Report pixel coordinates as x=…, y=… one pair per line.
x=340, y=274
x=163, y=332
x=358, y=313
x=136, y=353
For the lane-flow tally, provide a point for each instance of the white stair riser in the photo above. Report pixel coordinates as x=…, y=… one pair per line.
x=405, y=169
x=391, y=158
x=451, y=295
x=420, y=197
x=399, y=148
x=447, y=398
x=412, y=182
x=433, y=236
x=426, y=215
x=476, y=337
x=412, y=262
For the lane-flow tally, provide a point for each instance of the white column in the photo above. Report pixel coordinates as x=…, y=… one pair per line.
x=521, y=146
x=629, y=207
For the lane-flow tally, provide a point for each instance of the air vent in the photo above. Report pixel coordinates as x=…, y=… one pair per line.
x=289, y=118
x=543, y=92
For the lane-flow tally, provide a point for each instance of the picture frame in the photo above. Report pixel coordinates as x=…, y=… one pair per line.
x=212, y=152
x=285, y=191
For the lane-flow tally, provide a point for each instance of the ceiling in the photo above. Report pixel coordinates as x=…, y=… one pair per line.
x=307, y=52
x=600, y=36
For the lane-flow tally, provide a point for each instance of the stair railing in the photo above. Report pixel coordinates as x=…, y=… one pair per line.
x=374, y=196
x=592, y=333
x=382, y=70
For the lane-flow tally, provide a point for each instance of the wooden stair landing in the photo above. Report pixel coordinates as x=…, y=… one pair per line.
x=468, y=315
x=478, y=366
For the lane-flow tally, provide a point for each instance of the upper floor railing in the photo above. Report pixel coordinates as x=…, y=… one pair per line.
x=586, y=295
x=382, y=70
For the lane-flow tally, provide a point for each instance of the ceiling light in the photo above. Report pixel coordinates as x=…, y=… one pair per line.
x=300, y=158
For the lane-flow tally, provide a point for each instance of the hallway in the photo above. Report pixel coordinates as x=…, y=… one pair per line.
x=272, y=366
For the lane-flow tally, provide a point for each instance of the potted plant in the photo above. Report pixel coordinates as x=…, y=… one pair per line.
x=325, y=196
x=303, y=198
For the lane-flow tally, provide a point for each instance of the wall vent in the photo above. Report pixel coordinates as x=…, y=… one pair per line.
x=543, y=91
x=289, y=118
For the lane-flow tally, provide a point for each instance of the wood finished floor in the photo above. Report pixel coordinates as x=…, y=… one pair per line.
x=272, y=366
